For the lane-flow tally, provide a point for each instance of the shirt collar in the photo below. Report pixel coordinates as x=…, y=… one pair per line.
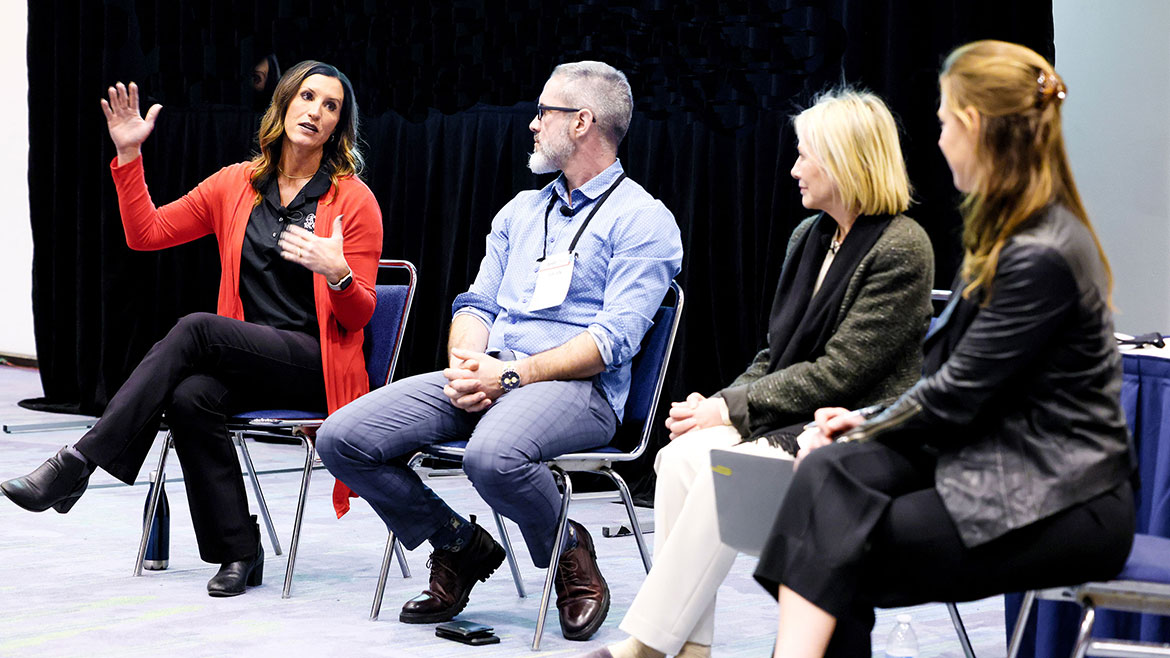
x=318, y=185
x=592, y=188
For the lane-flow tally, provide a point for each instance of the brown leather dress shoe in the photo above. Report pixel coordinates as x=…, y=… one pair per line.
x=582, y=594
x=452, y=577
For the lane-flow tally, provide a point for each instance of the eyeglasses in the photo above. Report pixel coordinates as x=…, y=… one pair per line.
x=541, y=109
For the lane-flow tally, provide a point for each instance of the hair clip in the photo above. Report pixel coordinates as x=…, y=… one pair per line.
x=1049, y=86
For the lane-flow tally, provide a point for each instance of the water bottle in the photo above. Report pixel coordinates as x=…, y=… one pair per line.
x=902, y=642
x=158, y=546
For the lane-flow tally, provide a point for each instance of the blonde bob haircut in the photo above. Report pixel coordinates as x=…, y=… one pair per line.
x=855, y=138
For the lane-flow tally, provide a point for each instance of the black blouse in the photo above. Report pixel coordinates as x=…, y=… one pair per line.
x=276, y=292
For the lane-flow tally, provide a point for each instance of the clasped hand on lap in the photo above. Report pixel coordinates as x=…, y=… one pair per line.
x=696, y=412
x=473, y=379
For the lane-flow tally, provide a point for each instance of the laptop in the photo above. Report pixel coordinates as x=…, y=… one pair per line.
x=748, y=491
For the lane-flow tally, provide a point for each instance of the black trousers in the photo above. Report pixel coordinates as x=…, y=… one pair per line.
x=863, y=526
x=206, y=369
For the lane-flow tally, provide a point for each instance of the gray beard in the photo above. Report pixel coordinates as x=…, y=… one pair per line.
x=551, y=158
x=540, y=163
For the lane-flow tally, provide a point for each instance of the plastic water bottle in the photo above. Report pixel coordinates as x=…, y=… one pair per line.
x=158, y=546
x=902, y=642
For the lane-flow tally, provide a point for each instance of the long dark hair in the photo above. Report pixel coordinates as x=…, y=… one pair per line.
x=341, y=157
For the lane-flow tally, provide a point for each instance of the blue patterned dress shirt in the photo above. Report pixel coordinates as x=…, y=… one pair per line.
x=626, y=259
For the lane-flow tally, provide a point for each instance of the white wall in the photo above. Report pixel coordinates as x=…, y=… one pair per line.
x=1115, y=58
x=16, y=327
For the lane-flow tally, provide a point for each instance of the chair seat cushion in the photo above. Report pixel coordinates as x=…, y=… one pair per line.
x=281, y=414
x=1149, y=560
x=443, y=449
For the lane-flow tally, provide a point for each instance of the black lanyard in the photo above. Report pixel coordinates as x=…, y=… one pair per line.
x=597, y=206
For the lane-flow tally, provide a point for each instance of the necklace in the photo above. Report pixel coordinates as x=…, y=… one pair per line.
x=281, y=172
x=835, y=243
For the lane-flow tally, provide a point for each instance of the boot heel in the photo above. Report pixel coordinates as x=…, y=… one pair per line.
x=65, y=505
x=256, y=577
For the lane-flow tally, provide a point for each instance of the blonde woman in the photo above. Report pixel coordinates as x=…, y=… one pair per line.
x=299, y=237
x=850, y=311
x=1006, y=466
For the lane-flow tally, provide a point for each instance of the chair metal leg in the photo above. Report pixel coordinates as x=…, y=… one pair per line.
x=1087, y=617
x=558, y=544
x=1021, y=623
x=507, y=542
x=239, y=439
x=296, y=533
x=960, y=630
x=152, y=506
x=634, y=526
x=391, y=546
x=401, y=560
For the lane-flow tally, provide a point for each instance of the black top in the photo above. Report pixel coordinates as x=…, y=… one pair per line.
x=276, y=292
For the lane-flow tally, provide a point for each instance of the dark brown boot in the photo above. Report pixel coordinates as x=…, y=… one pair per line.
x=582, y=594
x=452, y=577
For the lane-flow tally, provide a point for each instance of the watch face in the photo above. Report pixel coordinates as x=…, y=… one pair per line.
x=509, y=379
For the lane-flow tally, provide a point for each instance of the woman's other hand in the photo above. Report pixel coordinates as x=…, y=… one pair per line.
x=831, y=423
x=321, y=255
x=835, y=421
x=696, y=412
x=128, y=129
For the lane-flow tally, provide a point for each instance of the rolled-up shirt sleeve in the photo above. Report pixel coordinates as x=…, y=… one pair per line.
x=647, y=255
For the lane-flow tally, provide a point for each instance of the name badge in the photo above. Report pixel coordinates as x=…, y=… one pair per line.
x=552, y=281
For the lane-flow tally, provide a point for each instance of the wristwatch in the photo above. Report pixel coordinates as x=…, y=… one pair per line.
x=509, y=379
x=342, y=284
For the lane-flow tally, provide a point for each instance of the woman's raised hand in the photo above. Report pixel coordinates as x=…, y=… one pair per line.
x=127, y=127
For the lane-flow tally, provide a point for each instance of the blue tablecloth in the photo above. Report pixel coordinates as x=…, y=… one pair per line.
x=1145, y=396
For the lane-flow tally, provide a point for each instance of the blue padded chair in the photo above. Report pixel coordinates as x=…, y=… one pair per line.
x=633, y=435
x=1142, y=586
x=383, y=341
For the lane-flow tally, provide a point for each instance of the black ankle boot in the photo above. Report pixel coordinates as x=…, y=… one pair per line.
x=232, y=577
x=57, y=483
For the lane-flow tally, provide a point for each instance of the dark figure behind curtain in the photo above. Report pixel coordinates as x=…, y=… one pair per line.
x=441, y=90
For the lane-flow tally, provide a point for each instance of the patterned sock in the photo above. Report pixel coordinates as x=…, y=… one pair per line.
x=570, y=539
x=453, y=535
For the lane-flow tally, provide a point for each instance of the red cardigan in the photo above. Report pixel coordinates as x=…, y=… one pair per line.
x=222, y=205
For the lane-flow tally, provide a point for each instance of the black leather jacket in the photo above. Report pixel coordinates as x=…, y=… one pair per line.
x=1021, y=397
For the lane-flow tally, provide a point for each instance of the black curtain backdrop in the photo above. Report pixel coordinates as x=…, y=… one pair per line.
x=445, y=93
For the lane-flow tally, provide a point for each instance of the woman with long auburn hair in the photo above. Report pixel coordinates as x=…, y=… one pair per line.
x=1006, y=466
x=299, y=237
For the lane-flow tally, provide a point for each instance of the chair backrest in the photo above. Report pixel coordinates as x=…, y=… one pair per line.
x=383, y=334
x=938, y=299
x=648, y=373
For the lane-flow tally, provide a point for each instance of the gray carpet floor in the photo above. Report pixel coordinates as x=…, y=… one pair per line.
x=66, y=584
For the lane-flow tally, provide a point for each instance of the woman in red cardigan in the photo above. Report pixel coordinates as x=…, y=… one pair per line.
x=299, y=238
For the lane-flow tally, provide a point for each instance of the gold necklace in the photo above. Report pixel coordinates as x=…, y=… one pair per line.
x=281, y=172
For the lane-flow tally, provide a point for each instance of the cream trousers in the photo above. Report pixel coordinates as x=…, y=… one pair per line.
x=676, y=602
